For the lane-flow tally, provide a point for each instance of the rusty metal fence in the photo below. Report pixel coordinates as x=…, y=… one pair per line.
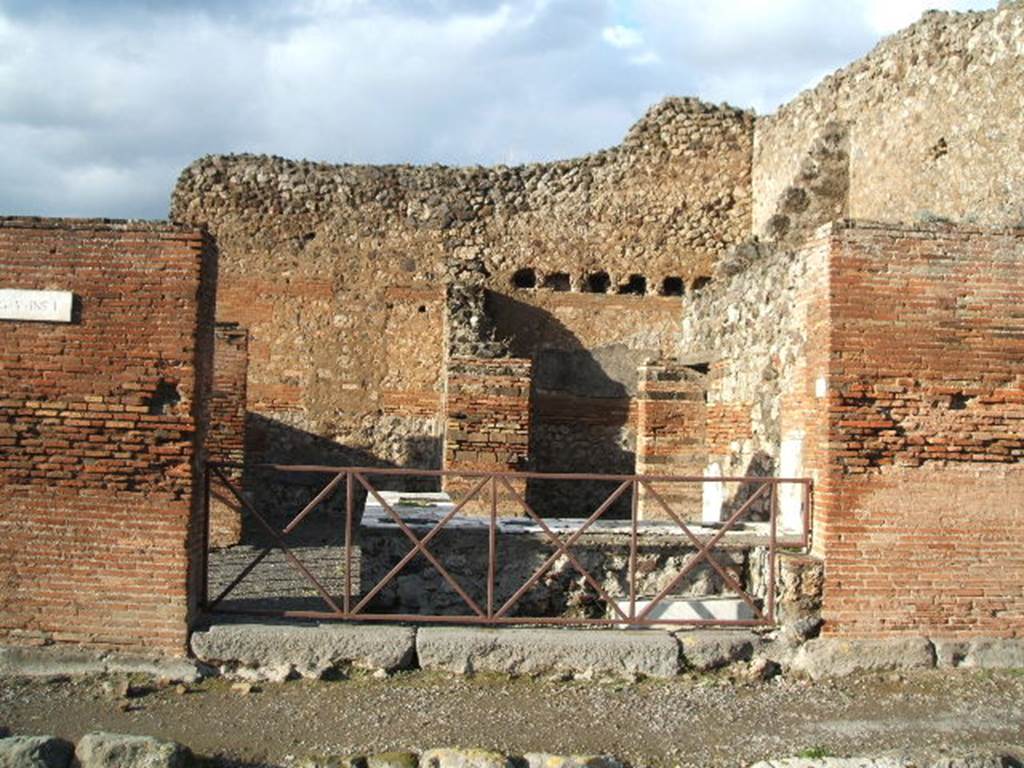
x=351, y=604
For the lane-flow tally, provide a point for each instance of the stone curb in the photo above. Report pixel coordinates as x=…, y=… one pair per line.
x=279, y=651
x=514, y=651
x=826, y=657
x=53, y=661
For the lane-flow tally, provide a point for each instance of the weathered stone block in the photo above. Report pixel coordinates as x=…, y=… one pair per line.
x=392, y=760
x=995, y=653
x=463, y=758
x=544, y=651
x=833, y=762
x=307, y=650
x=34, y=752
x=28, y=661
x=115, y=750
x=713, y=649
x=544, y=760
x=826, y=657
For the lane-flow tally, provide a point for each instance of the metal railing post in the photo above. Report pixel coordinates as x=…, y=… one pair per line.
x=772, y=517
x=632, y=550
x=349, y=505
x=204, y=585
x=492, y=547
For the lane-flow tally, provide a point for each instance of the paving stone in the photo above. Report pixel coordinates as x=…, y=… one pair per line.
x=544, y=760
x=34, y=752
x=833, y=762
x=392, y=760
x=115, y=750
x=463, y=758
x=333, y=761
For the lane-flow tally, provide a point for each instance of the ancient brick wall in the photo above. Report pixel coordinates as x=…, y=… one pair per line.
x=226, y=434
x=101, y=429
x=487, y=426
x=671, y=439
x=885, y=362
x=932, y=121
x=920, y=525
x=339, y=271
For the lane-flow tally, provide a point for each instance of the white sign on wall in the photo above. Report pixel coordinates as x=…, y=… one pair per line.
x=791, y=495
x=42, y=306
x=714, y=495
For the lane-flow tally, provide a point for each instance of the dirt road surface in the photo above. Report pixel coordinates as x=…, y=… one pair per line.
x=686, y=721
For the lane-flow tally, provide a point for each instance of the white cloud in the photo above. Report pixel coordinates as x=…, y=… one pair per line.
x=644, y=58
x=102, y=105
x=622, y=37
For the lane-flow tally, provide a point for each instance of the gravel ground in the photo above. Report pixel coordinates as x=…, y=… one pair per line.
x=688, y=721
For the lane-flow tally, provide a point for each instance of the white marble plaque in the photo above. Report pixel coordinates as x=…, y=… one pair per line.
x=791, y=495
x=714, y=495
x=40, y=306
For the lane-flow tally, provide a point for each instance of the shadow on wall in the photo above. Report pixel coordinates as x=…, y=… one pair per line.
x=760, y=465
x=579, y=418
x=278, y=495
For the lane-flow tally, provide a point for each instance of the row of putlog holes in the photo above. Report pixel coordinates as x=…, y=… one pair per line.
x=600, y=282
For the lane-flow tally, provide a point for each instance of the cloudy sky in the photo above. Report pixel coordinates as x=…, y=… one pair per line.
x=103, y=102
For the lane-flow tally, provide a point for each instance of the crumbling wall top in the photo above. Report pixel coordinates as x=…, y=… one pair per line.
x=933, y=120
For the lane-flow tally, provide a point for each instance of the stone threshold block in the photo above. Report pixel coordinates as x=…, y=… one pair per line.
x=276, y=651
x=528, y=651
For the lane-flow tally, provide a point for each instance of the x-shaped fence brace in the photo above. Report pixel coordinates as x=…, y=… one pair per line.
x=278, y=538
x=562, y=548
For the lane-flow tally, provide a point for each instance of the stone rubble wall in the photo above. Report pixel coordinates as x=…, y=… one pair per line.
x=885, y=359
x=562, y=592
x=750, y=327
x=818, y=194
x=338, y=271
x=102, y=433
x=933, y=120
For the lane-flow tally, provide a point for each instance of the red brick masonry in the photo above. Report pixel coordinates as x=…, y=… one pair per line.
x=226, y=438
x=671, y=423
x=487, y=424
x=99, y=428
x=921, y=505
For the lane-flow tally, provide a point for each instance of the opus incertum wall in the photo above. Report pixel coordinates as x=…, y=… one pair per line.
x=338, y=272
x=101, y=429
